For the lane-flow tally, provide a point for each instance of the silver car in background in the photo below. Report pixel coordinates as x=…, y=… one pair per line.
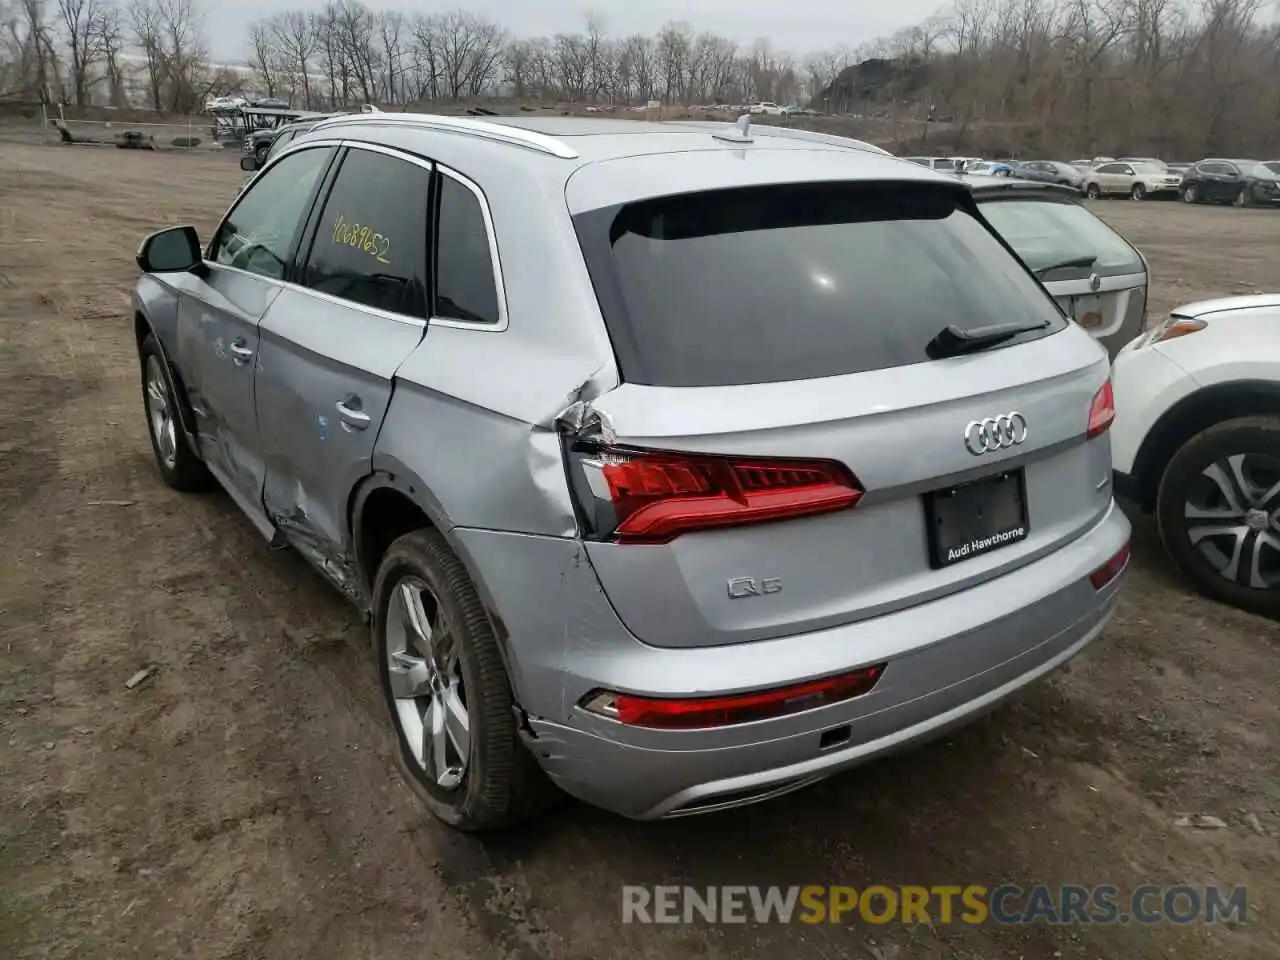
x=1098, y=278
x=677, y=467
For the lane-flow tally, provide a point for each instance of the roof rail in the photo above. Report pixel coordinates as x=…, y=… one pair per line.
x=516, y=136
x=793, y=133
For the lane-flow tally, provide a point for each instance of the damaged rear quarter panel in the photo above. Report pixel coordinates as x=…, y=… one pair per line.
x=474, y=416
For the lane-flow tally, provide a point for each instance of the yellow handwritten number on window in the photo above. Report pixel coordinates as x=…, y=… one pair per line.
x=362, y=238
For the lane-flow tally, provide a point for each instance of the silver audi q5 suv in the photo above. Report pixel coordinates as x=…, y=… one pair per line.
x=675, y=465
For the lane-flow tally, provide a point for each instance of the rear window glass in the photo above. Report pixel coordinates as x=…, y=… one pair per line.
x=769, y=284
x=1043, y=233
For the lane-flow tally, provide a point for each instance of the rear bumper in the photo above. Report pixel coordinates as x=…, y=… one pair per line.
x=949, y=660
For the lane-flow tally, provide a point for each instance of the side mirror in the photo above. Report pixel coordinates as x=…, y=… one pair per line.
x=249, y=163
x=175, y=250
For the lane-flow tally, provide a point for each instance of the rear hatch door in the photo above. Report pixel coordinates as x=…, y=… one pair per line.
x=791, y=447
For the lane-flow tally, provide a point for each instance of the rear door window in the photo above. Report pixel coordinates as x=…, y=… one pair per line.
x=370, y=243
x=796, y=282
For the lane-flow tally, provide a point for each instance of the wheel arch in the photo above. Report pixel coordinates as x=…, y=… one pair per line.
x=1189, y=416
x=392, y=501
x=142, y=328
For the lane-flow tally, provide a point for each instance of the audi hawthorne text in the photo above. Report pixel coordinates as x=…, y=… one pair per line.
x=672, y=545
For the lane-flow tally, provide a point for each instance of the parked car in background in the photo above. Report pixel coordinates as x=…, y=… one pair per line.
x=1137, y=179
x=744, y=525
x=943, y=164
x=1243, y=183
x=266, y=143
x=987, y=168
x=1196, y=442
x=1050, y=171
x=766, y=108
x=1098, y=278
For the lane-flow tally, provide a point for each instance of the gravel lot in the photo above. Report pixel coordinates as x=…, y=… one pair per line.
x=241, y=801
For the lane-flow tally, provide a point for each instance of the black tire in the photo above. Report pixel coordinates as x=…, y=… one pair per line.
x=1190, y=194
x=184, y=470
x=1259, y=436
x=1092, y=191
x=260, y=154
x=1241, y=199
x=502, y=784
x=1139, y=192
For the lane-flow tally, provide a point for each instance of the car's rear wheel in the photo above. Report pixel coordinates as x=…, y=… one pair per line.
x=1218, y=510
x=1139, y=192
x=1092, y=191
x=177, y=462
x=447, y=691
x=1190, y=194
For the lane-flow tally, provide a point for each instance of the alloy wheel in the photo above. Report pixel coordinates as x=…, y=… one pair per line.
x=425, y=674
x=1232, y=516
x=160, y=413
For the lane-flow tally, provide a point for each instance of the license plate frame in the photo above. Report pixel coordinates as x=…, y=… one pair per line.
x=971, y=519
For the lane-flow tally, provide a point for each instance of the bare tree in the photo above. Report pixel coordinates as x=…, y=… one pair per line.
x=148, y=33
x=265, y=57
x=108, y=32
x=80, y=21
x=295, y=38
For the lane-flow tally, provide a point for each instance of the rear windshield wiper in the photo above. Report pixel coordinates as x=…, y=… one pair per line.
x=952, y=341
x=1087, y=260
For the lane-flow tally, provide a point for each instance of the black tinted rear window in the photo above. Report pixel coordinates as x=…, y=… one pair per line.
x=789, y=283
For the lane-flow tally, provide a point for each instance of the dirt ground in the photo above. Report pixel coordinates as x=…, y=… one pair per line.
x=241, y=802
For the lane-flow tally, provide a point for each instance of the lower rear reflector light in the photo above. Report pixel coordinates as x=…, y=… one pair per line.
x=1111, y=569
x=687, y=713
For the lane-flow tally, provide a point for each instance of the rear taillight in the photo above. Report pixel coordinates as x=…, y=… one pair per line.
x=688, y=713
x=1111, y=569
x=1102, y=410
x=648, y=496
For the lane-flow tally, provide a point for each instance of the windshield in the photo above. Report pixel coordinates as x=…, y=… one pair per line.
x=1273, y=166
x=1045, y=232
x=768, y=284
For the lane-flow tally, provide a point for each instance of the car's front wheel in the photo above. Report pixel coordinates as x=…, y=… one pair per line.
x=1139, y=192
x=260, y=154
x=1241, y=199
x=447, y=690
x=177, y=462
x=1190, y=194
x=1218, y=510
x=1092, y=191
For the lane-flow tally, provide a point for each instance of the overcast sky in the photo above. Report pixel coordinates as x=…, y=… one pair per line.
x=797, y=26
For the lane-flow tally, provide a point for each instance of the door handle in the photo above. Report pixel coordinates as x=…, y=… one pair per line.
x=353, y=418
x=240, y=353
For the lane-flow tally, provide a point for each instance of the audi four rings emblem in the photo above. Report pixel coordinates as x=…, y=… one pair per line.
x=995, y=433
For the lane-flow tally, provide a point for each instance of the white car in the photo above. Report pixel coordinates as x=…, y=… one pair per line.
x=1138, y=180
x=768, y=109
x=1196, y=441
